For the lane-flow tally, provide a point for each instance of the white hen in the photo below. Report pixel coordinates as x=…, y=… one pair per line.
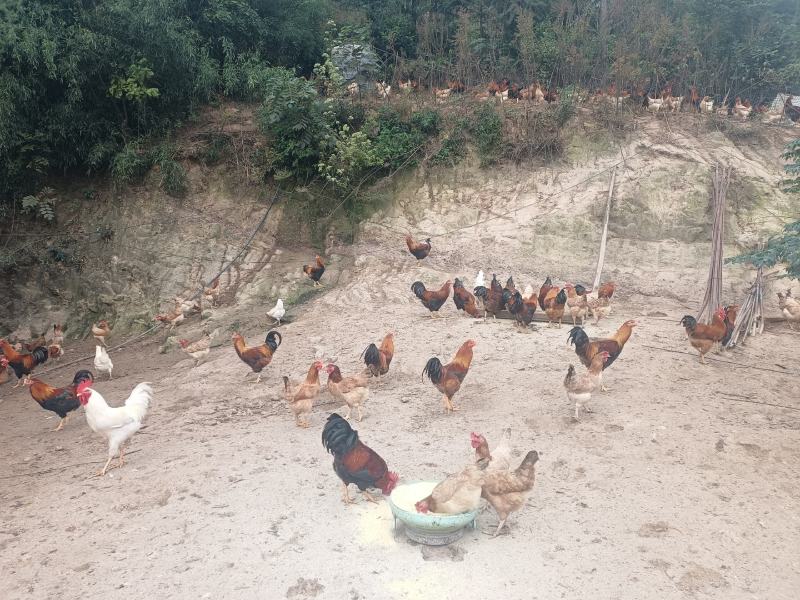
x=479, y=281
x=102, y=361
x=119, y=423
x=277, y=312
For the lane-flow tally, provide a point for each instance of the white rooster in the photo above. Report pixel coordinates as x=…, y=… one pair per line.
x=479, y=280
x=102, y=361
x=278, y=311
x=119, y=423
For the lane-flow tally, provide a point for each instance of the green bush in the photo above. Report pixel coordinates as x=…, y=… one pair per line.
x=130, y=163
x=488, y=133
x=427, y=121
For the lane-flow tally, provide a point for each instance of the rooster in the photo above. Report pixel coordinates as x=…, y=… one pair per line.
x=479, y=281
x=23, y=364
x=507, y=491
x=580, y=387
x=521, y=310
x=353, y=391
x=554, y=305
x=277, y=312
x=61, y=401
x=492, y=298
x=448, y=378
x=354, y=462
x=546, y=287
x=257, y=357
x=431, y=300
x=102, y=361
x=509, y=288
x=118, y=424
x=459, y=493
x=730, y=322
x=704, y=337
x=100, y=331
x=586, y=348
x=314, y=273
x=379, y=359
x=301, y=396
x=464, y=300
x=420, y=250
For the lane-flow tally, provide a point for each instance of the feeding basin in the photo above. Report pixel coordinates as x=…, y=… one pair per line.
x=431, y=529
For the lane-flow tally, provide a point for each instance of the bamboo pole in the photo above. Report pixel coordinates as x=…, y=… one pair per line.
x=602, y=254
x=711, y=299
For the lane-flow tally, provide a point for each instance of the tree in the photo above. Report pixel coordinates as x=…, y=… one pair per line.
x=784, y=248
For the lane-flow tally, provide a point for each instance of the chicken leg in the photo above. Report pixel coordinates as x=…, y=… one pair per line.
x=369, y=497
x=61, y=424
x=345, y=495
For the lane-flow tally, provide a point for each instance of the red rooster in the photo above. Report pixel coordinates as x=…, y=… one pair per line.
x=379, y=359
x=314, y=273
x=432, y=300
x=586, y=348
x=448, y=378
x=420, y=250
x=61, y=401
x=492, y=298
x=257, y=357
x=355, y=462
x=464, y=300
x=23, y=364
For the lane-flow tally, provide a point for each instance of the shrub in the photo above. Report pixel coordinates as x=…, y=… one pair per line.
x=488, y=133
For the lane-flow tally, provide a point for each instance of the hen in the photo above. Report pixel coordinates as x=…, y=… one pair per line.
x=431, y=300
x=790, y=308
x=277, y=312
x=354, y=462
x=379, y=359
x=197, y=350
x=23, y=364
x=580, y=387
x=300, y=397
x=577, y=302
x=118, y=424
x=506, y=491
x=420, y=250
x=314, y=273
x=100, y=331
x=61, y=401
x=457, y=494
x=102, y=361
x=257, y=357
x=353, y=391
x=586, y=348
x=704, y=337
x=730, y=322
x=448, y=378
x=499, y=460
x=464, y=300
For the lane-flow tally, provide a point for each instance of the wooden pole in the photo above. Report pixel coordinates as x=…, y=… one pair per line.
x=602, y=254
x=713, y=294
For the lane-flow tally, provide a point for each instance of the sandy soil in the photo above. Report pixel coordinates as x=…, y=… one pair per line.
x=676, y=486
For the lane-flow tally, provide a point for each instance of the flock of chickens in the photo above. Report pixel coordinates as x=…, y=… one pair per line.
x=489, y=476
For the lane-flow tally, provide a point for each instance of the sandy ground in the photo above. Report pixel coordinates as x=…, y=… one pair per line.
x=679, y=485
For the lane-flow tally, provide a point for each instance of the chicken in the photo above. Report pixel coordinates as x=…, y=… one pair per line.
x=314, y=273
x=521, y=310
x=5, y=374
x=448, y=378
x=730, y=322
x=58, y=334
x=379, y=359
x=61, y=401
x=118, y=424
x=577, y=302
x=55, y=351
x=174, y=318
x=528, y=293
x=600, y=308
x=606, y=290
x=459, y=493
x=212, y=292
x=354, y=462
x=21, y=363
x=499, y=460
x=197, y=350
x=277, y=312
x=790, y=308
x=586, y=348
x=420, y=250
x=257, y=357
x=492, y=298
x=507, y=491
x=707, y=105
x=479, y=281
x=580, y=387
x=464, y=300
x=301, y=396
x=704, y=337
x=431, y=300
x=102, y=361
x=554, y=304
x=546, y=287
x=100, y=331
x=353, y=391
x=509, y=286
